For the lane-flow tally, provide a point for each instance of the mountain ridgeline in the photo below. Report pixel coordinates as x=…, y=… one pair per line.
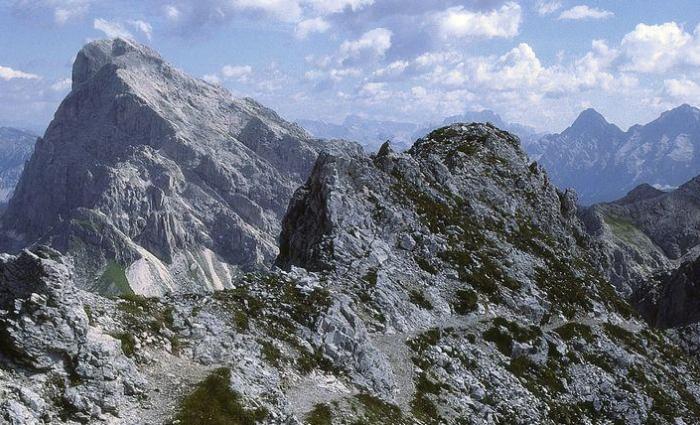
x=453, y=283
x=603, y=162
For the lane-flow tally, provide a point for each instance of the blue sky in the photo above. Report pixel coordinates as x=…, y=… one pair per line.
x=537, y=62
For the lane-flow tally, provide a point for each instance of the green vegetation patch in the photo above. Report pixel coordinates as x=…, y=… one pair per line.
x=113, y=281
x=128, y=343
x=418, y=298
x=540, y=380
x=466, y=301
x=573, y=330
x=377, y=411
x=624, y=229
x=214, y=403
x=619, y=334
x=503, y=332
x=320, y=415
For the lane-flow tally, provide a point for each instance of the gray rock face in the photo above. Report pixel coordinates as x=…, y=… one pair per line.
x=46, y=332
x=499, y=296
x=650, y=243
x=16, y=147
x=149, y=173
x=603, y=163
x=647, y=232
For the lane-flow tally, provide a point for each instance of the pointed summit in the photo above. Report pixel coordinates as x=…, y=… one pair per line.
x=589, y=118
x=591, y=123
x=143, y=163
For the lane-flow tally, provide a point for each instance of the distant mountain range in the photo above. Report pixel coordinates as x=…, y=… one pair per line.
x=602, y=162
x=16, y=147
x=372, y=133
x=367, y=132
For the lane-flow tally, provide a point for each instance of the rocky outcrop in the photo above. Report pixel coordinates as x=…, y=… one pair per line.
x=468, y=253
x=46, y=334
x=646, y=233
x=154, y=178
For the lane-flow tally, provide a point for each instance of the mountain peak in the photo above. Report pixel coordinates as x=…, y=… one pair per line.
x=684, y=111
x=590, y=122
x=590, y=117
x=119, y=51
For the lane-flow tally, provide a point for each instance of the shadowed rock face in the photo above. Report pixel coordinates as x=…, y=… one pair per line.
x=167, y=176
x=651, y=240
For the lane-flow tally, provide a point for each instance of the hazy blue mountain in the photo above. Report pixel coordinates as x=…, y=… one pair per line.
x=372, y=133
x=366, y=131
x=16, y=147
x=602, y=162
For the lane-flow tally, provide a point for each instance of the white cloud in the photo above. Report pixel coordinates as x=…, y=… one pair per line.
x=111, y=29
x=237, y=72
x=547, y=7
x=581, y=12
x=374, y=43
x=394, y=69
x=7, y=74
x=172, y=13
x=682, y=89
x=142, y=26
x=459, y=22
x=61, y=85
x=658, y=48
x=212, y=79
x=518, y=68
x=310, y=26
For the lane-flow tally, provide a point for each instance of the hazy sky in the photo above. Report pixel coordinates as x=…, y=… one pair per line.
x=534, y=62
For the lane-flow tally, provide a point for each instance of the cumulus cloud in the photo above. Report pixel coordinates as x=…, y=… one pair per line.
x=61, y=85
x=310, y=26
x=141, y=26
x=682, y=89
x=286, y=10
x=658, y=48
x=582, y=12
x=372, y=44
x=547, y=7
x=7, y=74
x=460, y=22
x=111, y=29
x=237, y=72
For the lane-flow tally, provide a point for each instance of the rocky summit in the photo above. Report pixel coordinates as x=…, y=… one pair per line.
x=153, y=181
x=450, y=284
